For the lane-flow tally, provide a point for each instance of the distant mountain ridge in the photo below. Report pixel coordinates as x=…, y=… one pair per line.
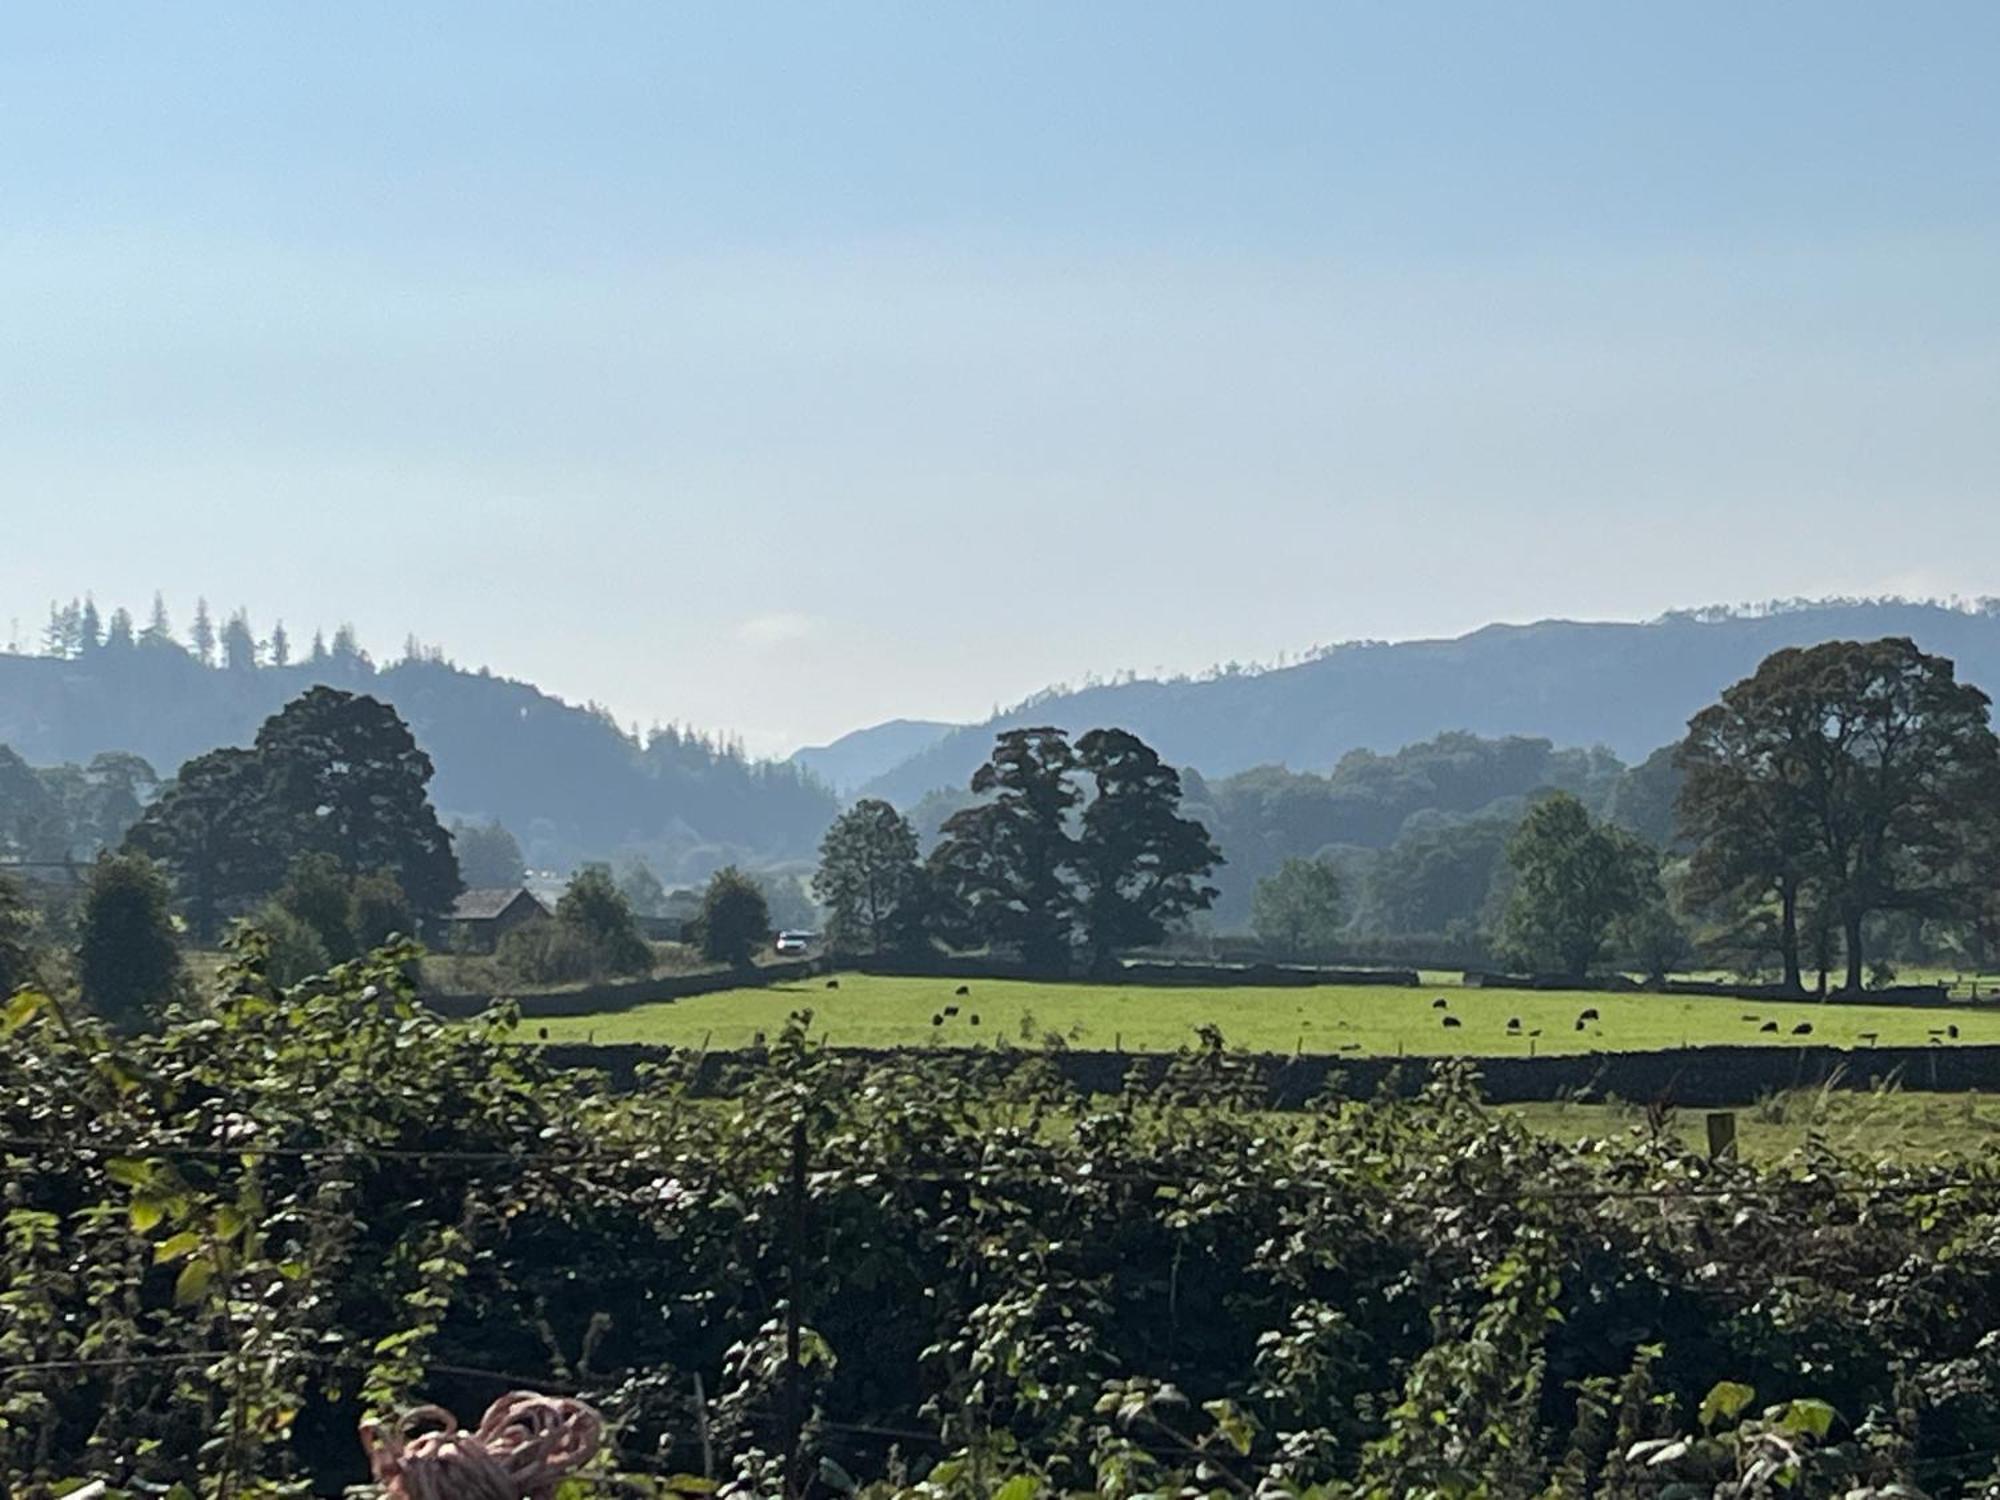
x=1628, y=686
x=568, y=782
x=859, y=757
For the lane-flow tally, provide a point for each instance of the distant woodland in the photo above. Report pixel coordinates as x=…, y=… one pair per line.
x=566, y=780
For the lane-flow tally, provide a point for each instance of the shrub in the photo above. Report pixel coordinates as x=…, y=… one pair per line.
x=128, y=961
x=735, y=920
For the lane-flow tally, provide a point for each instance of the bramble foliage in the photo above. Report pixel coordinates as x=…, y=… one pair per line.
x=226, y=1242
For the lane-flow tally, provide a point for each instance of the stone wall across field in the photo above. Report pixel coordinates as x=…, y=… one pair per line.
x=1898, y=994
x=625, y=993
x=1257, y=975
x=1694, y=1077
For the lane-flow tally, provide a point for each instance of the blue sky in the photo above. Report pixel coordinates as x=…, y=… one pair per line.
x=781, y=369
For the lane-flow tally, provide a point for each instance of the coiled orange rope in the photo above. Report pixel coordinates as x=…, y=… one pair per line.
x=521, y=1449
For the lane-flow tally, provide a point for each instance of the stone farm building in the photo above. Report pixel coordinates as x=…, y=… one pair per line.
x=480, y=918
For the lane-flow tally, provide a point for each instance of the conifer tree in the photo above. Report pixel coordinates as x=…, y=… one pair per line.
x=203, y=634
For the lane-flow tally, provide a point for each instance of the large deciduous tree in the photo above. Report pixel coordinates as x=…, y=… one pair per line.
x=349, y=780
x=1002, y=867
x=1140, y=865
x=1865, y=770
x=213, y=832
x=868, y=877
x=1573, y=879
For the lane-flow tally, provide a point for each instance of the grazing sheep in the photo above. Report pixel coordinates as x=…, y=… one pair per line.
x=1768, y=1026
x=963, y=989
x=1440, y=1003
x=1952, y=1031
x=975, y=1018
x=951, y=1010
x=833, y=984
x=1453, y=1021
x=1804, y=1028
x=937, y=1020
x=1579, y=1025
x=542, y=1032
x=1536, y=1032
x=1589, y=1015
x=1513, y=1023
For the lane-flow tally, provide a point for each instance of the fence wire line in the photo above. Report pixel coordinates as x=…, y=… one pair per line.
x=986, y=1176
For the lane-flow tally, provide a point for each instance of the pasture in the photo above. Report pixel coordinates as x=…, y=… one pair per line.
x=880, y=1011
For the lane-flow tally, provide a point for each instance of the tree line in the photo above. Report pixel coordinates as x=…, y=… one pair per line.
x=79, y=629
x=1069, y=853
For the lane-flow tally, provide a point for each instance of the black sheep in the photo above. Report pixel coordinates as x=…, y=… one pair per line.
x=1513, y=1023
x=975, y=1018
x=833, y=984
x=963, y=989
x=937, y=1020
x=1589, y=1015
x=1440, y=1003
x=951, y=1010
x=1804, y=1028
x=1453, y=1021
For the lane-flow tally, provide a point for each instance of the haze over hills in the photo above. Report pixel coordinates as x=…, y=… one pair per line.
x=566, y=779
x=859, y=757
x=1629, y=687
x=573, y=786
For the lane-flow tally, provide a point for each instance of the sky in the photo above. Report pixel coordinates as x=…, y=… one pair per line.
x=782, y=369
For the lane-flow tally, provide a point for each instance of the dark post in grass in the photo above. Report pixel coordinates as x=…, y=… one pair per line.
x=1722, y=1135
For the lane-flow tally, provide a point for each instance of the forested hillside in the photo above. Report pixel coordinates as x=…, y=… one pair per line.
x=567, y=780
x=1629, y=687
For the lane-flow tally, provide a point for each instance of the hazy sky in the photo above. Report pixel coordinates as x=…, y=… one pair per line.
x=784, y=369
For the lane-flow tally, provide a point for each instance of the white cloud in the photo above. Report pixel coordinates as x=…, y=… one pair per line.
x=780, y=628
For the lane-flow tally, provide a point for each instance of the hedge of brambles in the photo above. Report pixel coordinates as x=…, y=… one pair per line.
x=228, y=1241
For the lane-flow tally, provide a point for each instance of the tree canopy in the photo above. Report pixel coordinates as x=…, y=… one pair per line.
x=1854, y=777
x=869, y=878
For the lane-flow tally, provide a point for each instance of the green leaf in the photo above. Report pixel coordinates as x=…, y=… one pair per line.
x=173, y=1248
x=146, y=1214
x=1809, y=1415
x=1725, y=1401
x=23, y=1008
x=1020, y=1487
x=228, y=1222
x=127, y=1172
x=192, y=1284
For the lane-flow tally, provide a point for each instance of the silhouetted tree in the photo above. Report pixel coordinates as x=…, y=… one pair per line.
x=280, y=649
x=128, y=962
x=1868, y=763
x=119, y=636
x=735, y=922
x=1140, y=865
x=348, y=780
x=239, y=643
x=159, y=630
x=868, y=876
x=202, y=636
x=90, y=627
x=214, y=830
x=1002, y=868
x=1299, y=910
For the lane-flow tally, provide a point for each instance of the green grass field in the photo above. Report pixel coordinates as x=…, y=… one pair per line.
x=868, y=1011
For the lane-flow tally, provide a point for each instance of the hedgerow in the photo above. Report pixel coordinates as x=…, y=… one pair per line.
x=228, y=1241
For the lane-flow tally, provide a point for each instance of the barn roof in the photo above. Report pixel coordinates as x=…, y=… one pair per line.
x=487, y=903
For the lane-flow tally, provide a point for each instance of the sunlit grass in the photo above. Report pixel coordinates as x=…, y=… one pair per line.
x=871, y=1011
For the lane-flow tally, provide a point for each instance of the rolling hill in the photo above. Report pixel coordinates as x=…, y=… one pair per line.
x=1628, y=687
